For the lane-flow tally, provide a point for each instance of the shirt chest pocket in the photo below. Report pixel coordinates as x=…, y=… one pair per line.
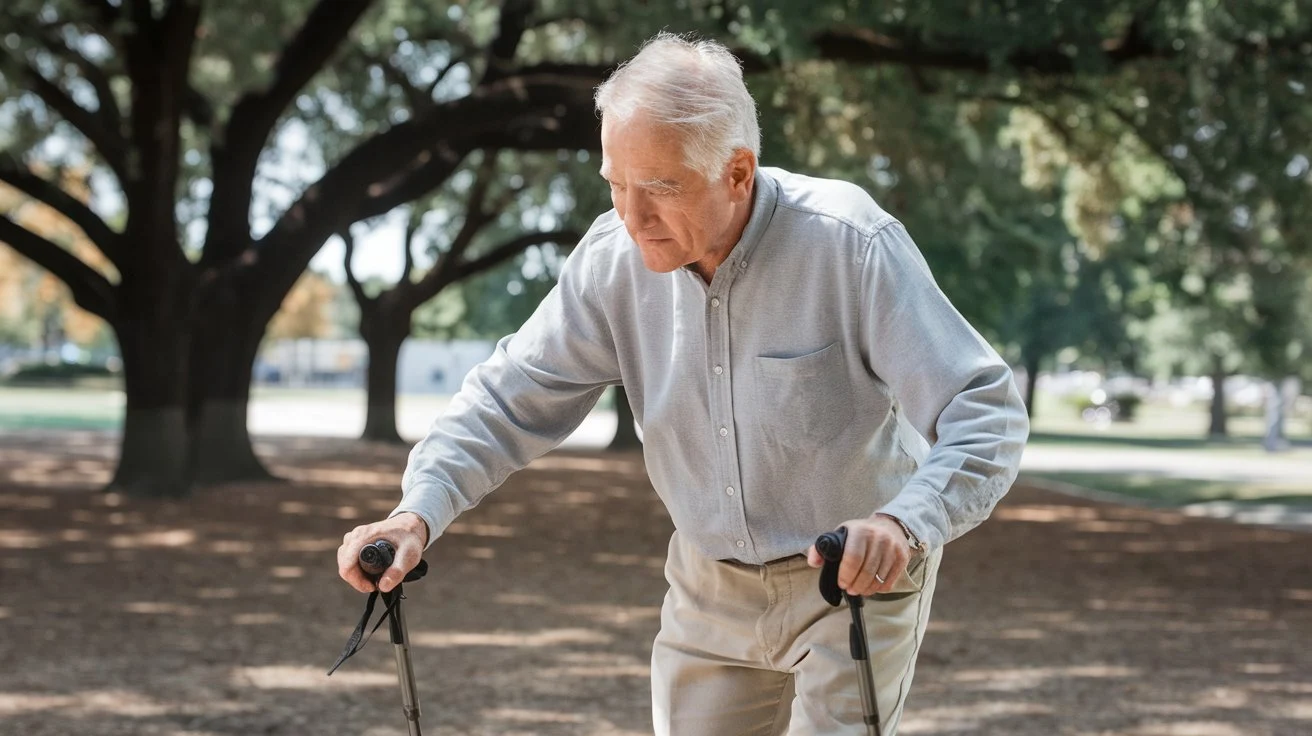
x=804, y=401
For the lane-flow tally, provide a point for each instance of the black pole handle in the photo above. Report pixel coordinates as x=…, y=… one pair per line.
x=830, y=546
x=376, y=557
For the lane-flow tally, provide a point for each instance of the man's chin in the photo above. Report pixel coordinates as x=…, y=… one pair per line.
x=658, y=264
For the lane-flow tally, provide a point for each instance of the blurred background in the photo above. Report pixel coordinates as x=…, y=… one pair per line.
x=299, y=217
x=248, y=251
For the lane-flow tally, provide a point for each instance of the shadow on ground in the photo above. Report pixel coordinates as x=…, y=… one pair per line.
x=220, y=615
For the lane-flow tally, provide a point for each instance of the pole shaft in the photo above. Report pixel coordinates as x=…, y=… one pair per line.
x=405, y=670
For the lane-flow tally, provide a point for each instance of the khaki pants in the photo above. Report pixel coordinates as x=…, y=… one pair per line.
x=746, y=650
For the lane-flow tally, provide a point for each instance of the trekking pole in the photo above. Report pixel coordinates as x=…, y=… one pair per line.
x=374, y=559
x=830, y=546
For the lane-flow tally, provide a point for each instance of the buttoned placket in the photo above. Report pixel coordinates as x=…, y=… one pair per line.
x=720, y=376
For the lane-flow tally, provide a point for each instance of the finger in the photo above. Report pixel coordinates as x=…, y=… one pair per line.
x=408, y=553
x=813, y=557
x=854, y=559
x=892, y=563
x=348, y=568
x=865, y=582
x=360, y=581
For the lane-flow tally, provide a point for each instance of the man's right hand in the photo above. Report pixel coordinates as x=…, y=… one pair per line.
x=408, y=534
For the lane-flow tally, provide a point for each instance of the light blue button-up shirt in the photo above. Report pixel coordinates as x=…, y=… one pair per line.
x=821, y=376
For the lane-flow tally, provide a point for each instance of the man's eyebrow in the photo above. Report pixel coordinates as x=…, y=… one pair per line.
x=660, y=184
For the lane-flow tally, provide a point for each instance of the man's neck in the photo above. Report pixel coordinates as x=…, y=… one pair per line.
x=741, y=216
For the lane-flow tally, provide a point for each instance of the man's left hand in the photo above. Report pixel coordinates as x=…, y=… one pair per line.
x=876, y=554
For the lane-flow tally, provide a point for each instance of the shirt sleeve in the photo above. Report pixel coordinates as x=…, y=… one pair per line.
x=527, y=398
x=949, y=384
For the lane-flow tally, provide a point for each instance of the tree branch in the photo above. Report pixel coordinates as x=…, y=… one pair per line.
x=518, y=113
x=422, y=175
x=108, y=13
x=361, y=298
x=411, y=227
x=108, y=143
x=868, y=46
x=511, y=24
x=91, y=291
x=108, y=114
x=509, y=249
x=477, y=216
x=106, y=239
x=237, y=149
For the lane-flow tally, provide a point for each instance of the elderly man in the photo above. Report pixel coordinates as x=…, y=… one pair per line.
x=794, y=368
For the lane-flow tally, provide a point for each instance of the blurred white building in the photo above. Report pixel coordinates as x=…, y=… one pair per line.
x=423, y=367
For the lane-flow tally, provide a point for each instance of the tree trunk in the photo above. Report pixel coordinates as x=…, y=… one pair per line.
x=153, y=450
x=1218, y=425
x=227, y=338
x=1031, y=379
x=384, y=353
x=626, y=436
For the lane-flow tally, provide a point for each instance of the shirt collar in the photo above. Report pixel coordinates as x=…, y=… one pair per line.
x=765, y=195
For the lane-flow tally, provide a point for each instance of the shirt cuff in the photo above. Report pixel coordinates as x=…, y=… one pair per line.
x=919, y=509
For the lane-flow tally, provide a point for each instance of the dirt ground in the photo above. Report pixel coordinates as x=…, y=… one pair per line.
x=220, y=615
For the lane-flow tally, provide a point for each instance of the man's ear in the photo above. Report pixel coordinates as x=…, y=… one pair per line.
x=742, y=172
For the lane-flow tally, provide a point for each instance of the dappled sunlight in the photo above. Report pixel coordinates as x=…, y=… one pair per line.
x=1098, y=526
x=480, y=530
x=614, y=464
x=1222, y=697
x=14, y=501
x=610, y=558
x=1045, y=514
x=519, y=715
x=23, y=539
x=256, y=619
x=1026, y=678
x=308, y=545
x=612, y=615
x=534, y=639
x=160, y=608
x=521, y=599
x=167, y=538
x=1188, y=728
x=345, y=477
x=294, y=677
x=1296, y=711
x=94, y=702
x=931, y=719
x=1022, y=634
x=549, y=593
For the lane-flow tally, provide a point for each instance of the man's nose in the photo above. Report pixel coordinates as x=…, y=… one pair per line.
x=638, y=212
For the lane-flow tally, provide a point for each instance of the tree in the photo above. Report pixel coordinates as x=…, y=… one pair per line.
x=35, y=308
x=386, y=317
x=135, y=83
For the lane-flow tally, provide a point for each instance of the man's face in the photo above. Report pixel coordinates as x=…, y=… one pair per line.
x=671, y=211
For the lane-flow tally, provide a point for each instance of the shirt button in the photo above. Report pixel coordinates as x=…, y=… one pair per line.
x=724, y=431
x=729, y=490
x=719, y=369
x=715, y=301
x=740, y=544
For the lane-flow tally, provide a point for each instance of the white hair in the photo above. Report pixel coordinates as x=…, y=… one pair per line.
x=694, y=86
